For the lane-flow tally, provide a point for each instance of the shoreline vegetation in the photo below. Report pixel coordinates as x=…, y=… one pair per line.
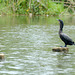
x=37, y=7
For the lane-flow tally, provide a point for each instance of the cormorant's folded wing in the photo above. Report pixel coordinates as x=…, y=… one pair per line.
x=65, y=37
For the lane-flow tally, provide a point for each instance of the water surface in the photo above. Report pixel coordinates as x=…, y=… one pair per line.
x=27, y=44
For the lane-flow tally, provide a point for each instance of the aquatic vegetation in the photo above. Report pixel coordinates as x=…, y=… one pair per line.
x=36, y=7
x=55, y=9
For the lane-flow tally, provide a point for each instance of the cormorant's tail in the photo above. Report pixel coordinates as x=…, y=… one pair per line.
x=74, y=43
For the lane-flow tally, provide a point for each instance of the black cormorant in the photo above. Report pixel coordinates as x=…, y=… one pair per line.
x=66, y=39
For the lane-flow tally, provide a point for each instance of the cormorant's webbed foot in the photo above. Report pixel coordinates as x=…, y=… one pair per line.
x=65, y=45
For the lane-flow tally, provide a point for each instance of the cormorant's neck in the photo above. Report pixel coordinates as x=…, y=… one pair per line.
x=60, y=31
x=61, y=27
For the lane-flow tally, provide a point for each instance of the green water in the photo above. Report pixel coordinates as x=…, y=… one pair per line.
x=27, y=44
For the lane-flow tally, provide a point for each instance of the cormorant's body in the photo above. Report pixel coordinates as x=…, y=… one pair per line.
x=64, y=37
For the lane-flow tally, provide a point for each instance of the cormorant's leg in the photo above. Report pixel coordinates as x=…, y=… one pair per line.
x=65, y=45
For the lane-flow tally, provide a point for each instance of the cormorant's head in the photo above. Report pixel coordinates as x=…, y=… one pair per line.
x=61, y=22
